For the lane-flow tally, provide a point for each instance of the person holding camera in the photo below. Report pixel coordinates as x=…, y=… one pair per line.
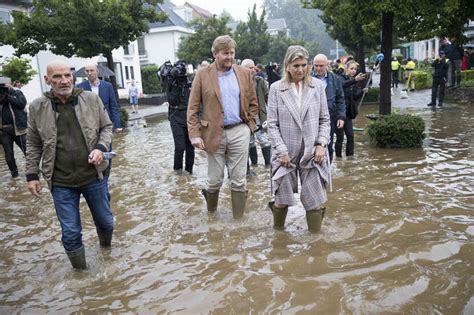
x=229, y=107
x=69, y=131
x=175, y=81
x=352, y=94
x=440, y=75
x=13, y=122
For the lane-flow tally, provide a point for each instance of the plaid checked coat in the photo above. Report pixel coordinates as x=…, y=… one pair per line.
x=296, y=132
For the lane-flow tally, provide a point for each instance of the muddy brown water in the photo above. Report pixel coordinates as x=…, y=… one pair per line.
x=397, y=238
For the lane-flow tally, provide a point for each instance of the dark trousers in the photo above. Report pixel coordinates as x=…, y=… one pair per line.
x=182, y=143
x=8, y=138
x=438, y=83
x=395, y=78
x=349, y=132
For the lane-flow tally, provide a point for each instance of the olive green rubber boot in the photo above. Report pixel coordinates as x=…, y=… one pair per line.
x=105, y=238
x=211, y=199
x=279, y=215
x=314, y=218
x=239, y=198
x=77, y=258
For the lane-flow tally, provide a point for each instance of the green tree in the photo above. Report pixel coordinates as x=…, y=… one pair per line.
x=85, y=28
x=304, y=23
x=252, y=38
x=280, y=43
x=409, y=19
x=18, y=69
x=196, y=47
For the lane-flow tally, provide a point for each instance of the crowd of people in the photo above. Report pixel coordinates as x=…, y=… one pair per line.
x=292, y=110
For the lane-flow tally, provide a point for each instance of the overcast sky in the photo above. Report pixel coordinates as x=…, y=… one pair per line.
x=238, y=9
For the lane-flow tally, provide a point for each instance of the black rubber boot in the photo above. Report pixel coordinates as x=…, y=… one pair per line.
x=78, y=258
x=266, y=151
x=239, y=199
x=211, y=199
x=279, y=215
x=314, y=218
x=253, y=155
x=105, y=238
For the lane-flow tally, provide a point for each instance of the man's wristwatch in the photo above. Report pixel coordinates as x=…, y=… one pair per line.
x=321, y=145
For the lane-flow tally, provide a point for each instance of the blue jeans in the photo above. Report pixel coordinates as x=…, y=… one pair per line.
x=66, y=202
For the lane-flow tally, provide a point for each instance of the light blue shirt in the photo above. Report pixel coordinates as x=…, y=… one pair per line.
x=323, y=79
x=230, y=94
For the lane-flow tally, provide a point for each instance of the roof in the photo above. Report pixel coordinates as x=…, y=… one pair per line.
x=276, y=24
x=199, y=10
x=172, y=20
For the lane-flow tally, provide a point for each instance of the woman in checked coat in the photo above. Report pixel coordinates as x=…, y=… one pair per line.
x=298, y=127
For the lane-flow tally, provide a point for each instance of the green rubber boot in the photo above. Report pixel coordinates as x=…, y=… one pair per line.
x=279, y=215
x=105, y=238
x=211, y=199
x=77, y=258
x=314, y=218
x=239, y=198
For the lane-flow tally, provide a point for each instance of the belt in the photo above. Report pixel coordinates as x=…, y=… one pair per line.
x=232, y=125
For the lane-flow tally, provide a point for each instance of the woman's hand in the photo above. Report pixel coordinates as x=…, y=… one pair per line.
x=365, y=90
x=285, y=160
x=319, y=154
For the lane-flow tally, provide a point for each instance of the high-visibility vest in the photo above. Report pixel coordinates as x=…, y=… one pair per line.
x=411, y=65
x=395, y=65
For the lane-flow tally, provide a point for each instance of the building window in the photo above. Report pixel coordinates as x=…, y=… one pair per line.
x=5, y=16
x=127, y=77
x=125, y=50
x=131, y=73
x=141, y=46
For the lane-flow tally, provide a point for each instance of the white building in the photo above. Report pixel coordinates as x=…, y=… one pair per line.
x=126, y=59
x=161, y=43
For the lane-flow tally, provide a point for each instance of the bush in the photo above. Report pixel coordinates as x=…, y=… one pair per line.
x=422, y=80
x=123, y=117
x=150, y=81
x=397, y=131
x=372, y=95
x=18, y=69
x=467, y=75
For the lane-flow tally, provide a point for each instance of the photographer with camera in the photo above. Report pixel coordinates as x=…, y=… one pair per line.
x=175, y=82
x=13, y=122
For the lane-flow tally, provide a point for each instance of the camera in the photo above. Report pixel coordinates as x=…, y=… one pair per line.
x=178, y=70
x=3, y=85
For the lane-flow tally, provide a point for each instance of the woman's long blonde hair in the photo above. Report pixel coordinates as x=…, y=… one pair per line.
x=348, y=65
x=293, y=53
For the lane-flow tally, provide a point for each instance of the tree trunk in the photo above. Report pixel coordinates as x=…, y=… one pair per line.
x=360, y=56
x=113, y=79
x=385, y=71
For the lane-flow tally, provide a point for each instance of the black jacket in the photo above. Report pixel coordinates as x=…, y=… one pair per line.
x=352, y=94
x=440, y=68
x=16, y=102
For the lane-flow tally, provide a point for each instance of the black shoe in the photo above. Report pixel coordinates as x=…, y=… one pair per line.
x=440, y=104
x=431, y=104
x=412, y=90
x=14, y=174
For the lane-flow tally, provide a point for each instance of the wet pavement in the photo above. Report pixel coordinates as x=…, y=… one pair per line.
x=397, y=238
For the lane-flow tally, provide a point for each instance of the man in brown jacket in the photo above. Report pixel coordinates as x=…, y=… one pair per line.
x=229, y=109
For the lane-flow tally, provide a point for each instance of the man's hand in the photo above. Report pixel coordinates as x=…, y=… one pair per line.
x=118, y=130
x=319, y=154
x=360, y=77
x=285, y=160
x=96, y=157
x=34, y=187
x=340, y=123
x=198, y=143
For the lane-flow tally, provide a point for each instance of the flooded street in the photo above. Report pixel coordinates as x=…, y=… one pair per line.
x=398, y=236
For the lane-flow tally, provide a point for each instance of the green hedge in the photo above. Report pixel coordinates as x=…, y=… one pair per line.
x=150, y=81
x=372, y=95
x=467, y=75
x=397, y=131
x=123, y=117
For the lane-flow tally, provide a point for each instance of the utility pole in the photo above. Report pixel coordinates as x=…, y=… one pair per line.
x=337, y=49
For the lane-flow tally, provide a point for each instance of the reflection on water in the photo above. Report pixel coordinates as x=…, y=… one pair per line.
x=398, y=236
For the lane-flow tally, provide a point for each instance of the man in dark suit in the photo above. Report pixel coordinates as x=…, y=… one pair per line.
x=105, y=91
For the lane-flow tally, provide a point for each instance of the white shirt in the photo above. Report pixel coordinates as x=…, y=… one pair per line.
x=95, y=88
x=298, y=90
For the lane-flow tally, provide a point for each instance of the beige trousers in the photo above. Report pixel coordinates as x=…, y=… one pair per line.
x=233, y=152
